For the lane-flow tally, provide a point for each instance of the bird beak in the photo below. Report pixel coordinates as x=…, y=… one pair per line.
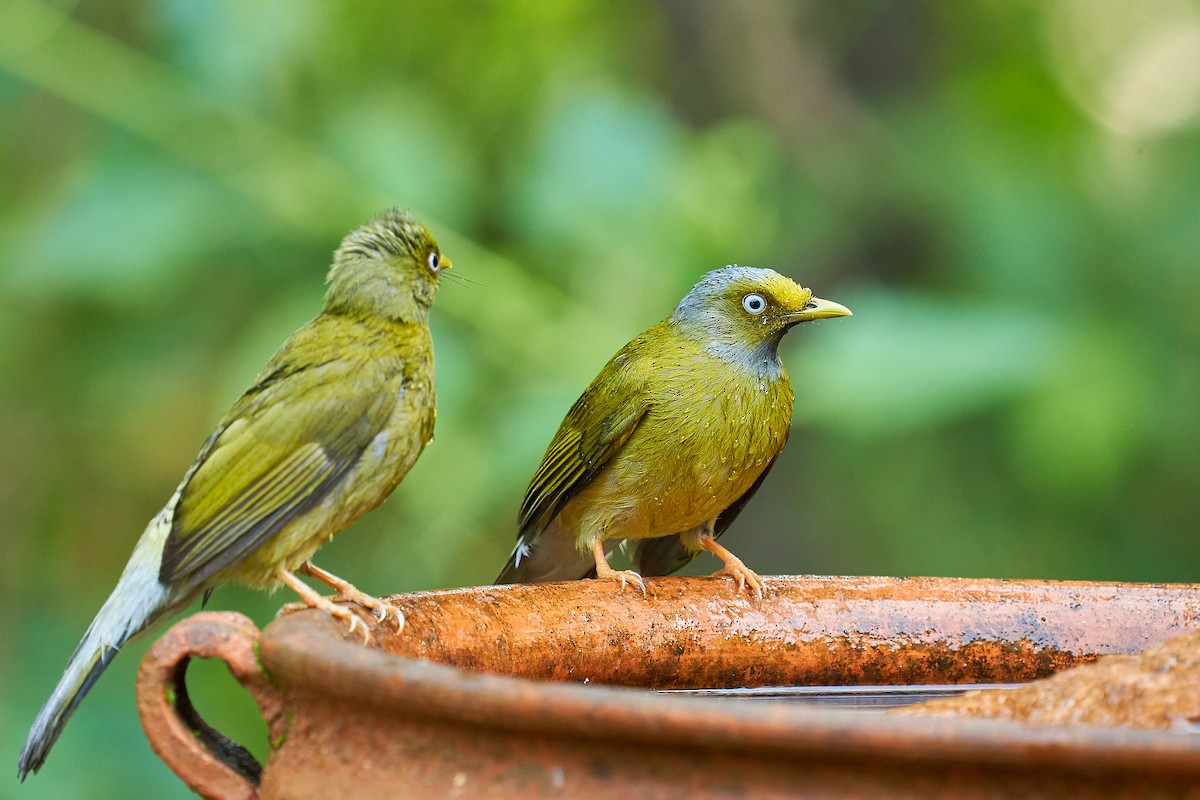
x=446, y=265
x=816, y=308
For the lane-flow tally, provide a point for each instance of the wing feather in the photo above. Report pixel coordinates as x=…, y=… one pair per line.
x=592, y=433
x=284, y=446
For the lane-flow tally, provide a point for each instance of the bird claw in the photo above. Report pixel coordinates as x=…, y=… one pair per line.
x=744, y=577
x=387, y=610
x=626, y=577
x=606, y=573
x=353, y=621
x=337, y=611
x=288, y=608
x=380, y=610
x=733, y=567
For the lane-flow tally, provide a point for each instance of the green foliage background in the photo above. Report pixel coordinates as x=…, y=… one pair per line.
x=1006, y=193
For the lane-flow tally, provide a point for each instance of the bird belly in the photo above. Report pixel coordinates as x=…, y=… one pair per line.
x=678, y=471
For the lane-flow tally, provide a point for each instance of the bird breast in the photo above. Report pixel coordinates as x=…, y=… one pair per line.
x=700, y=447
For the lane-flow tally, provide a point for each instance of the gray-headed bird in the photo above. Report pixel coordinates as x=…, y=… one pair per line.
x=671, y=439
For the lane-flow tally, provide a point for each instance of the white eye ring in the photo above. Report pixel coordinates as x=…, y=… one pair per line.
x=754, y=303
x=435, y=260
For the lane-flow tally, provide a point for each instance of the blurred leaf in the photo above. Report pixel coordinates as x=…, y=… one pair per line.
x=719, y=194
x=263, y=337
x=125, y=233
x=404, y=145
x=601, y=151
x=1083, y=431
x=907, y=360
x=245, y=51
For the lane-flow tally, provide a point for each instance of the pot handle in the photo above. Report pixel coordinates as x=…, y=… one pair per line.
x=211, y=764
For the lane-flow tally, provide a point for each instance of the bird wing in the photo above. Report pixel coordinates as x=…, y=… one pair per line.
x=595, y=429
x=664, y=555
x=285, y=444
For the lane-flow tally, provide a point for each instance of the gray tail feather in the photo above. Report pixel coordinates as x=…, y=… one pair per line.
x=83, y=671
x=660, y=556
x=137, y=602
x=551, y=556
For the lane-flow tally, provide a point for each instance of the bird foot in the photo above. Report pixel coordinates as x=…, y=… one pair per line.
x=342, y=612
x=734, y=568
x=625, y=576
x=309, y=598
x=606, y=573
x=744, y=576
x=381, y=610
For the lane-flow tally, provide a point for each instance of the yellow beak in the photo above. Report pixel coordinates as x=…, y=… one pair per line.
x=816, y=308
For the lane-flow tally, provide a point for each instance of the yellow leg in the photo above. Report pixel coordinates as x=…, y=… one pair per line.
x=605, y=572
x=734, y=568
x=379, y=609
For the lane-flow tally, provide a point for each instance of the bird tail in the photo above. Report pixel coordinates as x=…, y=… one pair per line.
x=661, y=556
x=138, y=601
x=549, y=556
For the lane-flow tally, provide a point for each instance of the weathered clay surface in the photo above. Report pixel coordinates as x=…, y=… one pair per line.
x=699, y=632
x=209, y=763
x=1156, y=690
x=401, y=718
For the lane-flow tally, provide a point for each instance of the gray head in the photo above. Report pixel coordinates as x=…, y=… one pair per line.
x=741, y=313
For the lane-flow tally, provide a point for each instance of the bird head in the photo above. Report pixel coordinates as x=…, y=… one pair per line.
x=741, y=313
x=388, y=267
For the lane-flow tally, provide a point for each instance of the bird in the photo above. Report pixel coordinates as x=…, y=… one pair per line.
x=323, y=435
x=671, y=440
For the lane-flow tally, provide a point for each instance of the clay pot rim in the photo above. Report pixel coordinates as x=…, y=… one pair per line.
x=309, y=650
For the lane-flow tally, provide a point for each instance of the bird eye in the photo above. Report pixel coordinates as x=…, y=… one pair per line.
x=435, y=260
x=754, y=303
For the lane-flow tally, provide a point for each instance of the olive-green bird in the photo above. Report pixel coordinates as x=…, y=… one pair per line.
x=672, y=438
x=326, y=432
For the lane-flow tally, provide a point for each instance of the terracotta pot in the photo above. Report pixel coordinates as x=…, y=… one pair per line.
x=522, y=692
